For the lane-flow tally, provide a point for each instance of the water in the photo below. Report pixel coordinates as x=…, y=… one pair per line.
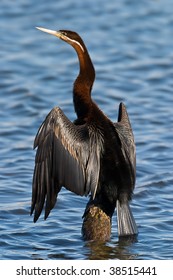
x=130, y=43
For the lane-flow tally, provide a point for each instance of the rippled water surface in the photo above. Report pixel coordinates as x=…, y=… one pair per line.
x=131, y=45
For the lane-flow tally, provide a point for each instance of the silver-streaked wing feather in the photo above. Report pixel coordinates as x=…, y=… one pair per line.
x=66, y=156
x=125, y=134
x=125, y=219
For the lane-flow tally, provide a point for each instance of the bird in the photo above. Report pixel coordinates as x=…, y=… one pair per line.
x=91, y=156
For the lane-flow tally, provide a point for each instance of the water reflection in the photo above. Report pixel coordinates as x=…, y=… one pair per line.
x=114, y=250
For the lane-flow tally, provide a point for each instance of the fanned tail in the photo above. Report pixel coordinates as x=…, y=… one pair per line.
x=125, y=220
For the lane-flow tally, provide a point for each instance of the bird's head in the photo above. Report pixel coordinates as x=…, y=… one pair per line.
x=68, y=36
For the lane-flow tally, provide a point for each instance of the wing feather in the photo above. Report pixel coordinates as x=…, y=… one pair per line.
x=125, y=134
x=67, y=155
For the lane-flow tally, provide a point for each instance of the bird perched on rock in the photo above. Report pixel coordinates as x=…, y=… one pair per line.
x=91, y=155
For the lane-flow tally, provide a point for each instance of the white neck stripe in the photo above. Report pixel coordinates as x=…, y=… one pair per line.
x=77, y=43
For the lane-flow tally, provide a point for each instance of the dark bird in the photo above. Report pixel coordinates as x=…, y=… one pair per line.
x=91, y=155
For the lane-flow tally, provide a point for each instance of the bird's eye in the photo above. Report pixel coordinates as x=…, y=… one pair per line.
x=64, y=33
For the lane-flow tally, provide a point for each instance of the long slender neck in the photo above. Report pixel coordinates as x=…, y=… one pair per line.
x=83, y=84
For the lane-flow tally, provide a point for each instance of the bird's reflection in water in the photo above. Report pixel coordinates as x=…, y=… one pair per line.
x=117, y=250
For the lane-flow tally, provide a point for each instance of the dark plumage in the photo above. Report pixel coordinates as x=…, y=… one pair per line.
x=90, y=155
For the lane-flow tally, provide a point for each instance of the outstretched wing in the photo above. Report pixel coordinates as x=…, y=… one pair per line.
x=125, y=134
x=125, y=220
x=67, y=155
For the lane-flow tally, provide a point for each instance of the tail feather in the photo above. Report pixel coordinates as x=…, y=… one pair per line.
x=125, y=220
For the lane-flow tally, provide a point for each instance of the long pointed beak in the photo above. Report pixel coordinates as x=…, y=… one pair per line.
x=52, y=32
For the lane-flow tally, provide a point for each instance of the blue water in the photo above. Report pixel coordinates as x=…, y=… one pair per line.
x=131, y=45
